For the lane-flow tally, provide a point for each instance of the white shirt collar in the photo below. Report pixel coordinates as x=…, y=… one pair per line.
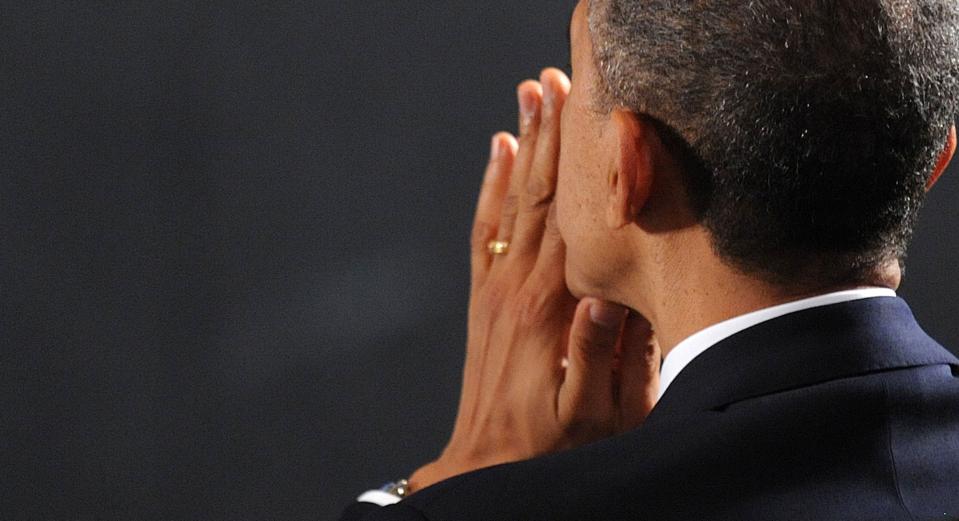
x=695, y=345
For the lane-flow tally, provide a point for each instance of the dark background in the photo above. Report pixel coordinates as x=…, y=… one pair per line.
x=234, y=261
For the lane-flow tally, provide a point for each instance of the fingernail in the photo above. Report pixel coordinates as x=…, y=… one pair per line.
x=495, y=147
x=606, y=315
x=527, y=106
x=548, y=94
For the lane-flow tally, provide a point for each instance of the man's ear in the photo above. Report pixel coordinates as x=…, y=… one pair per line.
x=944, y=158
x=631, y=177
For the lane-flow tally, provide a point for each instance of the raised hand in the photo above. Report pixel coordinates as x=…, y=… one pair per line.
x=543, y=372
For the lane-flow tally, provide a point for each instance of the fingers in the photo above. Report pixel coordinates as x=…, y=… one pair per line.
x=550, y=269
x=489, y=207
x=540, y=181
x=523, y=209
x=530, y=95
x=638, y=371
x=586, y=395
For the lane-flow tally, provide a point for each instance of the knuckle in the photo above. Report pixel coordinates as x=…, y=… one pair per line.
x=530, y=308
x=539, y=190
x=528, y=132
x=533, y=307
x=510, y=205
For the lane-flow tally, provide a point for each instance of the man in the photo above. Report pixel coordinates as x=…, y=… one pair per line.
x=735, y=190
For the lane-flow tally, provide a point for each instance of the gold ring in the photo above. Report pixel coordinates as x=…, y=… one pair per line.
x=497, y=247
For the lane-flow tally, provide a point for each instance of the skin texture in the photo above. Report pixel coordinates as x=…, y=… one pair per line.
x=544, y=371
x=603, y=251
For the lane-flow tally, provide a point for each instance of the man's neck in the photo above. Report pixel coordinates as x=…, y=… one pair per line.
x=707, y=291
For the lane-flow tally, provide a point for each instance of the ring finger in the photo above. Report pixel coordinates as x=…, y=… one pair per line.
x=489, y=207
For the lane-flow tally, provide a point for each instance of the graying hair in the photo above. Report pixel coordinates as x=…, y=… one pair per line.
x=813, y=124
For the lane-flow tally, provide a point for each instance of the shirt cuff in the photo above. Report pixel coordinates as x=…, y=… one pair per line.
x=378, y=497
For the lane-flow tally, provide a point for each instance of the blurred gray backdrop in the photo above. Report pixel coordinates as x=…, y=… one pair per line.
x=234, y=264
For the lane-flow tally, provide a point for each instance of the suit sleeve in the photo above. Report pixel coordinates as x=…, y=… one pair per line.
x=370, y=512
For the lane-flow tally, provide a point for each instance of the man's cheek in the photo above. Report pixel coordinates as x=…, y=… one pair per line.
x=573, y=276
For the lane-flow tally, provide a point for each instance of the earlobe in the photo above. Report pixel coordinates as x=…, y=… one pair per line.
x=944, y=158
x=631, y=176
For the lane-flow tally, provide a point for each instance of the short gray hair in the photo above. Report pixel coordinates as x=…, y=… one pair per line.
x=813, y=125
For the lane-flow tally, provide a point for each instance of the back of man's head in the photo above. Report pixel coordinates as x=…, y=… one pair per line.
x=809, y=127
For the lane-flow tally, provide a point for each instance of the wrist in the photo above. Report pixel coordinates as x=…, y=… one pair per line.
x=431, y=473
x=424, y=476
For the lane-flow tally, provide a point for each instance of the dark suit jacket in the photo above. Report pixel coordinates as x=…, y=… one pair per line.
x=842, y=412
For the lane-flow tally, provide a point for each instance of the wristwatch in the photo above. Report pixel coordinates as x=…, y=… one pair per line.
x=388, y=494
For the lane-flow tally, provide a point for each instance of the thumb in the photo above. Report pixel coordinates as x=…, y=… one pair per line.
x=638, y=372
x=586, y=396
